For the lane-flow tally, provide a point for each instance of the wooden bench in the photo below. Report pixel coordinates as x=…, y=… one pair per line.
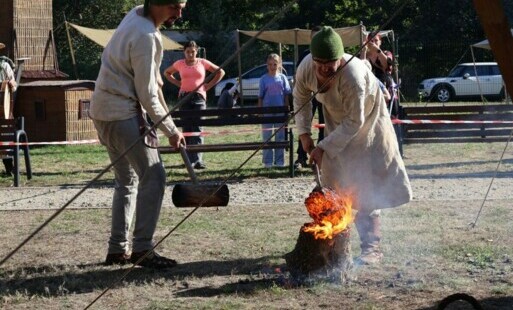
x=236, y=117
x=12, y=130
x=456, y=133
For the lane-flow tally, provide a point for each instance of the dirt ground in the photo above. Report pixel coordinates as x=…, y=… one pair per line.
x=232, y=258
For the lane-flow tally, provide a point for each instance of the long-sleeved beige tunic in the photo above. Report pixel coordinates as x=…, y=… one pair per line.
x=130, y=74
x=361, y=154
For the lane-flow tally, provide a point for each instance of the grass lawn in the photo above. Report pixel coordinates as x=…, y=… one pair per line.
x=232, y=258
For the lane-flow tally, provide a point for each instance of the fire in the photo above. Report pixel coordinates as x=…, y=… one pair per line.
x=331, y=212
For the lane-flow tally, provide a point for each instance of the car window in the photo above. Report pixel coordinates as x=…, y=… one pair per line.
x=289, y=68
x=457, y=72
x=495, y=70
x=255, y=73
x=483, y=70
x=469, y=70
x=460, y=71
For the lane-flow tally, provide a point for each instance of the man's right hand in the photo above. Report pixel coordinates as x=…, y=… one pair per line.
x=176, y=140
x=307, y=142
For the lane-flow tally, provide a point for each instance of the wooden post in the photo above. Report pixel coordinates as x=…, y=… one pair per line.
x=241, y=93
x=71, y=49
x=496, y=27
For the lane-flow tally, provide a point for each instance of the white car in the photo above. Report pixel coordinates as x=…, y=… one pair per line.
x=462, y=82
x=251, y=80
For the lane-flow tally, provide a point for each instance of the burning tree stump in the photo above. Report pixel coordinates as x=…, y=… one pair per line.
x=323, y=249
x=321, y=259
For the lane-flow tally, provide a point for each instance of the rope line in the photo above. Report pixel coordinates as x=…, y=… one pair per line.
x=180, y=103
x=473, y=224
x=224, y=182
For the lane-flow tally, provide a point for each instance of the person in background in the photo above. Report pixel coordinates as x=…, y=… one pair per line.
x=302, y=155
x=274, y=90
x=192, y=71
x=379, y=61
x=359, y=153
x=129, y=81
x=228, y=97
x=8, y=81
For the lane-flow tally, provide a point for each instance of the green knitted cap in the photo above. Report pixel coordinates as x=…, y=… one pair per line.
x=159, y=2
x=327, y=44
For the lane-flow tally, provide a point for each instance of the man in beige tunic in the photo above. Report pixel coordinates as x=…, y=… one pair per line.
x=129, y=80
x=359, y=152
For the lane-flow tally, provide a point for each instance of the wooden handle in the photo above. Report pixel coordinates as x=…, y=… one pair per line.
x=188, y=164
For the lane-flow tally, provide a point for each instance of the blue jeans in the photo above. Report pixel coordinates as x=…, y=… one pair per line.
x=273, y=156
x=197, y=102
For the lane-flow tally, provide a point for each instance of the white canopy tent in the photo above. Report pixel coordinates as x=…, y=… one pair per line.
x=485, y=44
x=351, y=36
x=102, y=37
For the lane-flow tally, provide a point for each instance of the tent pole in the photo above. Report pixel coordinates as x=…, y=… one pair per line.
x=71, y=48
x=362, y=29
x=396, y=66
x=477, y=77
x=279, y=52
x=296, y=55
x=240, y=70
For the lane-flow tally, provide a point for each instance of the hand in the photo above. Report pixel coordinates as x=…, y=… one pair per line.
x=307, y=142
x=316, y=156
x=12, y=84
x=373, y=47
x=176, y=140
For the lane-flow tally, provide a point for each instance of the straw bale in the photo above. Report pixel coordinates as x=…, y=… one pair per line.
x=32, y=22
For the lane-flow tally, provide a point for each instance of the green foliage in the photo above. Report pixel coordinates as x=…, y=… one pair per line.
x=88, y=13
x=432, y=36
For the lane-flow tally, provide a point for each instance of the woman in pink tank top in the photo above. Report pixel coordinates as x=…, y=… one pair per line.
x=192, y=71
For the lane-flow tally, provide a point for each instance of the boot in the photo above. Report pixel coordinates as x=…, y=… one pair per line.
x=369, y=230
x=9, y=166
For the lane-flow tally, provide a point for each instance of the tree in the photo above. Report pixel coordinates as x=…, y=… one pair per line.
x=88, y=13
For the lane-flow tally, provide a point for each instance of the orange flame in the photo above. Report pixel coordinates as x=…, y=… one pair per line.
x=331, y=212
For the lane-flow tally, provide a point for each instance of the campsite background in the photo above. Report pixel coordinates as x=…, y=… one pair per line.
x=431, y=36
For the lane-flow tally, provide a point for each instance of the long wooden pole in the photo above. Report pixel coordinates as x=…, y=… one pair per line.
x=71, y=49
x=239, y=67
x=496, y=27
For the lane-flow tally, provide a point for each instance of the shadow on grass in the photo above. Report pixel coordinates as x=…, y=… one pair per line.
x=484, y=175
x=241, y=287
x=456, y=164
x=218, y=175
x=500, y=302
x=412, y=169
x=58, y=280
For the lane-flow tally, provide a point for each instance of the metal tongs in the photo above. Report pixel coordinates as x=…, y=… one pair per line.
x=317, y=175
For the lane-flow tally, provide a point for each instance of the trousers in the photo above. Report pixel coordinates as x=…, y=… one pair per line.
x=197, y=102
x=140, y=181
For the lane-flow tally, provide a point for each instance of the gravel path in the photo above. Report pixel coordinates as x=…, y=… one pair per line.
x=262, y=191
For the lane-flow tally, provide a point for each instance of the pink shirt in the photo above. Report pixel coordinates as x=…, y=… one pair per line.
x=193, y=76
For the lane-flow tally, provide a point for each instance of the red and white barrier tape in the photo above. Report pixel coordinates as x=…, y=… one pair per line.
x=92, y=141
x=248, y=130
x=430, y=121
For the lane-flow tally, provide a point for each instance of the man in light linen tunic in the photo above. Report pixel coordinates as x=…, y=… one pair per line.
x=359, y=152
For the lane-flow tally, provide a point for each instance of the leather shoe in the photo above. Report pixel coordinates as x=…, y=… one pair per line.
x=199, y=165
x=117, y=259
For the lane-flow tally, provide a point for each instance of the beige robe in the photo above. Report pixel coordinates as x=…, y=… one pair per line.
x=361, y=153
